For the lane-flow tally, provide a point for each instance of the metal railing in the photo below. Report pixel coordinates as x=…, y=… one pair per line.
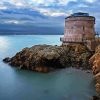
x=71, y=39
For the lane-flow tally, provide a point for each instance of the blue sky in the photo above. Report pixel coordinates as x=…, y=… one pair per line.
x=43, y=16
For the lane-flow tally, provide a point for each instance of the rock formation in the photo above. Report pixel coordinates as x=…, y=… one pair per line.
x=95, y=61
x=95, y=98
x=44, y=58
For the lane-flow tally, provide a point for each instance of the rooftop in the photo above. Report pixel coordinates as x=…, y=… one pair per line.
x=79, y=14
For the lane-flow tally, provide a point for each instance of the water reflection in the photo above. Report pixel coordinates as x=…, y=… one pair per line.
x=4, y=44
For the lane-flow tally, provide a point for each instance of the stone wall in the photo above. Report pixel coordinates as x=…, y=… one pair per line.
x=77, y=27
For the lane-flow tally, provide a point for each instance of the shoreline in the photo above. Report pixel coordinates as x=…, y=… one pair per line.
x=46, y=58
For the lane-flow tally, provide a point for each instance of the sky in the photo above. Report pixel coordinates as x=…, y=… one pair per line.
x=43, y=16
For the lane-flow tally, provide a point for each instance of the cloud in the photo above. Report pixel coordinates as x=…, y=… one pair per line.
x=38, y=2
x=39, y=5
x=3, y=7
x=91, y=1
x=50, y=12
x=50, y=2
x=13, y=22
x=65, y=2
x=51, y=8
x=46, y=13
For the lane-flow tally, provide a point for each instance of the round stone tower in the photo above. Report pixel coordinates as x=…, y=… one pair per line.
x=79, y=27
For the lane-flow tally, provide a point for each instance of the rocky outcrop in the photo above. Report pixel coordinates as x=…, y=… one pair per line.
x=95, y=61
x=95, y=98
x=7, y=60
x=44, y=58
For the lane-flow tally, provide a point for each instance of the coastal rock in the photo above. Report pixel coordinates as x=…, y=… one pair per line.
x=96, y=98
x=97, y=49
x=98, y=88
x=95, y=61
x=97, y=78
x=44, y=58
x=7, y=60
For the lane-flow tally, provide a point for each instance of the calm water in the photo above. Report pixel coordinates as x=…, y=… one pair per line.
x=15, y=84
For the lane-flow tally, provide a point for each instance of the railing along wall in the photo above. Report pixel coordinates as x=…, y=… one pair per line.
x=71, y=39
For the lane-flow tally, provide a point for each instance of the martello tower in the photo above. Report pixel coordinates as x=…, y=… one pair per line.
x=79, y=28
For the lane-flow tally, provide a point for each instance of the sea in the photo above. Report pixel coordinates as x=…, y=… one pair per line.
x=64, y=84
